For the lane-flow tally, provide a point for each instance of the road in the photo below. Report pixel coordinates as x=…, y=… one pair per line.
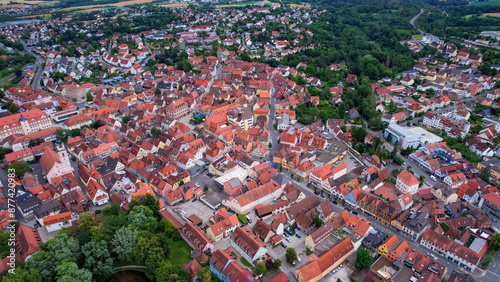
x=39, y=65
x=412, y=21
x=275, y=135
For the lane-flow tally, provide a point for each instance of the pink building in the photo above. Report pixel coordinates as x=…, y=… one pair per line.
x=55, y=164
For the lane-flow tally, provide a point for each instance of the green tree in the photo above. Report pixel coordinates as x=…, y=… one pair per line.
x=69, y=272
x=485, y=174
x=155, y=131
x=205, y=275
x=260, y=268
x=98, y=259
x=364, y=259
x=270, y=145
x=126, y=119
x=90, y=98
x=86, y=221
x=277, y=263
x=62, y=249
x=13, y=108
x=22, y=275
x=290, y=255
x=141, y=217
x=317, y=221
x=445, y=226
x=20, y=168
x=124, y=242
x=170, y=273
x=495, y=242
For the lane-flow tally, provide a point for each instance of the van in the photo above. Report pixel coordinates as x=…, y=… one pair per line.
x=433, y=177
x=249, y=219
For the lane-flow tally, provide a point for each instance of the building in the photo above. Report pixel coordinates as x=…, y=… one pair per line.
x=403, y=137
x=493, y=164
x=225, y=265
x=196, y=239
x=330, y=259
x=374, y=239
x=24, y=123
x=248, y=245
x=407, y=182
x=177, y=109
x=27, y=242
x=414, y=226
x=451, y=250
x=75, y=93
x=320, y=176
x=232, y=186
x=58, y=221
x=490, y=204
x=244, y=203
x=56, y=164
x=77, y=121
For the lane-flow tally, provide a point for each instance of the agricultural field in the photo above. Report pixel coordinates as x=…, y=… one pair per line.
x=484, y=3
x=252, y=3
x=491, y=15
x=91, y=8
x=299, y=6
x=174, y=5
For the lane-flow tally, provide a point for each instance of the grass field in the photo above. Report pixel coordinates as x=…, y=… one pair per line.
x=252, y=3
x=484, y=3
x=90, y=8
x=417, y=37
x=299, y=6
x=181, y=252
x=174, y=5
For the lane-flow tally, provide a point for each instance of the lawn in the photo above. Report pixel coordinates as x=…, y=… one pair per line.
x=245, y=262
x=484, y=3
x=417, y=37
x=241, y=4
x=26, y=2
x=181, y=252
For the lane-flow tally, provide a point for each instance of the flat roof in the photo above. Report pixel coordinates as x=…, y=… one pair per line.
x=425, y=135
x=238, y=171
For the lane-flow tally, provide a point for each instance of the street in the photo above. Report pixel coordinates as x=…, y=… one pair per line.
x=39, y=65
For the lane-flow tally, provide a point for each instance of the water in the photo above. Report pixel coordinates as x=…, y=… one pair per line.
x=128, y=276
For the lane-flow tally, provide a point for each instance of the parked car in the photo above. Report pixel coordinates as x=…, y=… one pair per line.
x=316, y=192
x=283, y=245
x=286, y=235
x=298, y=235
x=433, y=177
x=288, y=239
x=249, y=219
x=354, y=212
x=335, y=202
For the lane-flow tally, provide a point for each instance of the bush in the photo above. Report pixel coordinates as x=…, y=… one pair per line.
x=242, y=219
x=309, y=252
x=445, y=226
x=98, y=212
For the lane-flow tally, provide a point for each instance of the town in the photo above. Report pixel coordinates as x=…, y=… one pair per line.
x=186, y=144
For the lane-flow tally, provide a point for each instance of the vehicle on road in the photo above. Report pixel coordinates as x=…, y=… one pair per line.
x=335, y=202
x=354, y=212
x=298, y=235
x=316, y=192
x=433, y=177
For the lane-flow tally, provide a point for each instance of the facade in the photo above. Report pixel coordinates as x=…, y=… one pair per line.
x=177, y=109
x=58, y=221
x=490, y=204
x=402, y=136
x=56, y=164
x=248, y=245
x=320, y=176
x=330, y=259
x=407, y=182
x=25, y=123
x=196, y=239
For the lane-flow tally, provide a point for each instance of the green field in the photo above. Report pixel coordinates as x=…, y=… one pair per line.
x=484, y=3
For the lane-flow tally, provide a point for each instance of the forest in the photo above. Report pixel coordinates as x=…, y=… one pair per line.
x=90, y=250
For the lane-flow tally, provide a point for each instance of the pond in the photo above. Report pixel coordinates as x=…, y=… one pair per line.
x=128, y=276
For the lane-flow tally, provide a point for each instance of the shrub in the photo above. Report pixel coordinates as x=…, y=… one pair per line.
x=309, y=252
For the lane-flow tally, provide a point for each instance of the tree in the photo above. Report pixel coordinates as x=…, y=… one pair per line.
x=205, y=275
x=277, y=263
x=317, y=221
x=290, y=255
x=485, y=174
x=445, y=226
x=270, y=145
x=60, y=134
x=364, y=259
x=124, y=242
x=495, y=242
x=98, y=259
x=155, y=131
x=22, y=274
x=86, y=221
x=141, y=217
x=69, y=271
x=170, y=273
x=90, y=98
x=13, y=108
x=260, y=268
x=20, y=168
x=126, y=119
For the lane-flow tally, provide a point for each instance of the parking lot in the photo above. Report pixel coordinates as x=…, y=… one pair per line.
x=344, y=273
x=197, y=208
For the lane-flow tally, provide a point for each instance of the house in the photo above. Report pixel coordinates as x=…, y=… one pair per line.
x=55, y=164
x=226, y=267
x=27, y=242
x=98, y=195
x=353, y=114
x=58, y=221
x=490, y=204
x=415, y=224
x=374, y=239
x=407, y=182
x=247, y=201
x=232, y=186
x=248, y=245
x=330, y=259
x=196, y=239
x=263, y=231
x=318, y=177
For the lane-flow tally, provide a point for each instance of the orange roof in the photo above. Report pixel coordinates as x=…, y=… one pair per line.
x=408, y=178
x=49, y=220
